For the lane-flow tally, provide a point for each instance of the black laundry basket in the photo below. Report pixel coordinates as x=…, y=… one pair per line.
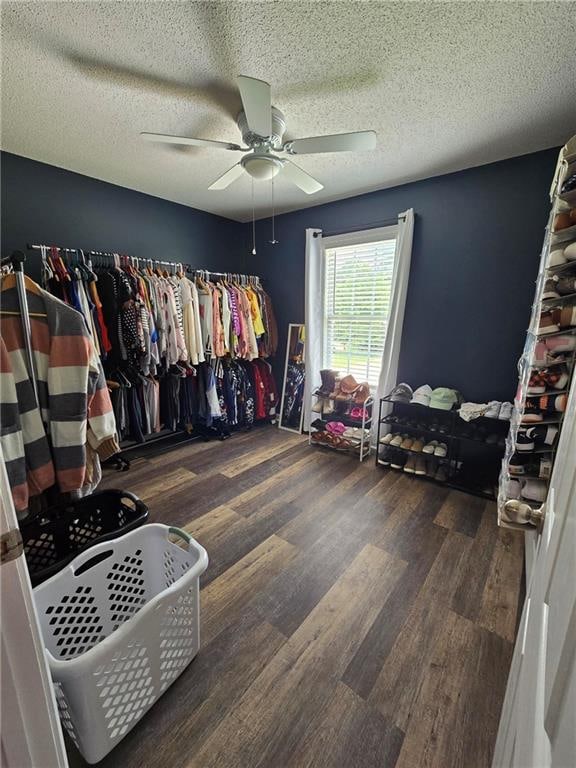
x=55, y=538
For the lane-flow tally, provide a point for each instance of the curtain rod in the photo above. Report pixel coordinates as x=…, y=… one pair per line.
x=360, y=227
x=35, y=247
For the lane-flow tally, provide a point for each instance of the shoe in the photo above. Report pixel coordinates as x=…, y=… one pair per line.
x=430, y=447
x=493, y=410
x=420, y=466
x=534, y=490
x=561, y=221
x=513, y=489
x=396, y=441
x=505, y=411
x=556, y=258
x=560, y=344
x=566, y=286
x=536, y=383
x=336, y=427
x=441, y=450
x=387, y=438
x=551, y=288
x=407, y=443
x=410, y=465
x=441, y=474
x=516, y=466
x=318, y=406
x=544, y=435
x=525, y=439
x=569, y=184
x=328, y=383
x=398, y=460
x=555, y=378
x=547, y=324
x=570, y=251
x=402, y=393
x=319, y=424
x=418, y=445
x=356, y=433
x=552, y=404
x=359, y=414
x=565, y=317
x=386, y=457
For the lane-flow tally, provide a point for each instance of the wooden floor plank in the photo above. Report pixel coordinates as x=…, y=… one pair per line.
x=500, y=598
x=273, y=715
x=351, y=616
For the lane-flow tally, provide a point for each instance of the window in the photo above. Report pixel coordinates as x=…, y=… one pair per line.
x=358, y=270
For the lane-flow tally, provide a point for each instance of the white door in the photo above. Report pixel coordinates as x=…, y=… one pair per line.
x=538, y=722
x=31, y=736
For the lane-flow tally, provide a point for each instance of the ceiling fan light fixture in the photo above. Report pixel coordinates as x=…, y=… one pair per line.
x=262, y=167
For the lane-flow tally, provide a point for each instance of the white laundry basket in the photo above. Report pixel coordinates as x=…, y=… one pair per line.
x=120, y=623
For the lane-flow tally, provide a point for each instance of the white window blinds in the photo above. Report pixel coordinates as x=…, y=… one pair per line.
x=358, y=284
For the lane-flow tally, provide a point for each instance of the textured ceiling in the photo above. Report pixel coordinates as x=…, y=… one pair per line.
x=445, y=85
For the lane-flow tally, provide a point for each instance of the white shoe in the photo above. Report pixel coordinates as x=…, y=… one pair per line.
x=397, y=441
x=441, y=450
x=534, y=490
x=493, y=409
x=505, y=411
x=431, y=447
x=387, y=438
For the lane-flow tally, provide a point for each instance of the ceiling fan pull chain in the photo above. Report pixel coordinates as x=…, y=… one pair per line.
x=253, y=223
x=273, y=241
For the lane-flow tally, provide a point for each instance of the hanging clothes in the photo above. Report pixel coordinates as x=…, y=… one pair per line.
x=45, y=442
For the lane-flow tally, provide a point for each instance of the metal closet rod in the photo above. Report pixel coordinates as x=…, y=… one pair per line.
x=360, y=227
x=188, y=267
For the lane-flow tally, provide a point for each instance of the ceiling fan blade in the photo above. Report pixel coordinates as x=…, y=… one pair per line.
x=227, y=178
x=166, y=139
x=302, y=179
x=339, y=142
x=257, y=104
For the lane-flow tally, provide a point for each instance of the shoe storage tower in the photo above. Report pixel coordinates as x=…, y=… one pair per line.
x=522, y=513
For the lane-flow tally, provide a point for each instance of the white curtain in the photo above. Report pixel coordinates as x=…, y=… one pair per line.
x=313, y=317
x=401, y=275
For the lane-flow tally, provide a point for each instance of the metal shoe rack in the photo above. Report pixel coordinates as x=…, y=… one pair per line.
x=359, y=445
x=523, y=514
x=460, y=448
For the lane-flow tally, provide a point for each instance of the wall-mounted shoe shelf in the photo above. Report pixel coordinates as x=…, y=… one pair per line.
x=562, y=202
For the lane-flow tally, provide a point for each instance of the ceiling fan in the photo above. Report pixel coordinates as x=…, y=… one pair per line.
x=262, y=127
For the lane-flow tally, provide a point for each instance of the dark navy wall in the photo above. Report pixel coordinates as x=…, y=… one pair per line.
x=45, y=204
x=477, y=239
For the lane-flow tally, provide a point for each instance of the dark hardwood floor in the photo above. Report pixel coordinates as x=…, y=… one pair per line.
x=350, y=616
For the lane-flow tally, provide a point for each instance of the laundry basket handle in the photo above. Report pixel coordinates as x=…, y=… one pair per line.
x=181, y=533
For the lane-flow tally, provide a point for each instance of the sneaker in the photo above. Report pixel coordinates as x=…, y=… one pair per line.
x=561, y=344
x=544, y=435
x=396, y=441
x=410, y=465
x=561, y=221
x=534, y=490
x=431, y=447
x=493, y=409
x=570, y=252
x=407, y=443
x=569, y=184
x=552, y=404
x=505, y=411
x=386, y=439
x=556, y=258
x=547, y=323
x=398, y=460
x=386, y=457
x=516, y=466
x=551, y=288
x=541, y=353
x=513, y=489
x=556, y=378
x=441, y=450
x=566, y=286
x=525, y=439
x=420, y=466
